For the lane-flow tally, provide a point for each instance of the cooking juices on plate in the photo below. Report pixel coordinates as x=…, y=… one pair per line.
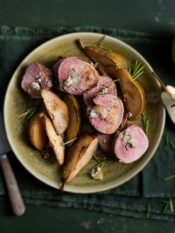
x=99, y=91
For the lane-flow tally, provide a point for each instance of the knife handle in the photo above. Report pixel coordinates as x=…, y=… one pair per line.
x=12, y=187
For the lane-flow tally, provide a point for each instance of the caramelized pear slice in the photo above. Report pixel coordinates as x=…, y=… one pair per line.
x=37, y=134
x=133, y=93
x=75, y=119
x=57, y=110
x=79, y=154
x=56, y=141
x=106, y=58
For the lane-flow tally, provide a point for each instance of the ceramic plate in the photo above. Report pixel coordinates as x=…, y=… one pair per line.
x=48, y=171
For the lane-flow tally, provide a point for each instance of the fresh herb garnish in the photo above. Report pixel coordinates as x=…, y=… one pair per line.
x=172, y=177
x=28, y=113
x=136, y=70
x=170, y=142
x=146, y=122
x=105, y=48
x=171, y=205
x=167, y=140
x=100, y=45
x=101, y=40
x=70, y=141
x=148, y=210
x=168, y=204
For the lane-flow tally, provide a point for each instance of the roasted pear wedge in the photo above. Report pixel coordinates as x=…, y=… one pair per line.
x=36, y=131
x=55, y=140
x=133, y=93
x=75, y=119
x=57, y=110
x=79, y=154
x=108, y=59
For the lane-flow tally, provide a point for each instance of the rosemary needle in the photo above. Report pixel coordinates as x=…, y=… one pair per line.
x=101, y=40
x=148, y=212
x=136, y=70
x=146, y=122
x=171, y=205
x=169, y=178
x=27, y=114
x=172, y=144
x=70, y=141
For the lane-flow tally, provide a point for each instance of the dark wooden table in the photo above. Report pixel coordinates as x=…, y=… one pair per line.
x=140, y=15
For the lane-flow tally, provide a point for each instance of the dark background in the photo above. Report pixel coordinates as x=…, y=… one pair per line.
x=153, y=16
x=149, y=16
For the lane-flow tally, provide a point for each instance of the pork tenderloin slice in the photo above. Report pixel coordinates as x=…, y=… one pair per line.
x=106, y=142
x=105, y=85
x=36, y=77
x=76, y=76
x=107, y=114
x=131, y=144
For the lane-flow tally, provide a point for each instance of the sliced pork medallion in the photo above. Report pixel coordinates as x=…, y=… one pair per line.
x=76, y=76
x=107, y=114
x=106, y=142
x=105, y=85
x=56, y=66
x=131, y=144
x=35, y=78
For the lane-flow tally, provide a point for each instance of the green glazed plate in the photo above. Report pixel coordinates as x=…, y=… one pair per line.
x=48, y=171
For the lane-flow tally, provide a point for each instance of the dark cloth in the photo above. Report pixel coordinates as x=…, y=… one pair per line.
x=147, y=194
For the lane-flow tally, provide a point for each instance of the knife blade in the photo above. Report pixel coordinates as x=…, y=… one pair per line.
x=10, y=180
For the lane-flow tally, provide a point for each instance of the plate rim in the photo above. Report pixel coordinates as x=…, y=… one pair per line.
x=68, y=187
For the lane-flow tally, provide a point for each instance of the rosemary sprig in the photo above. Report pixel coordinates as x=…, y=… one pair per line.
x=171, y=205
x=28, y=113
x=70, y=141
x=168, y=204
x=105, y=48
x=148, y=210
x=99, y=42
x=170, y=142
x=167, y=140
x=136, y=70
x=172, y=177
x=146, y=122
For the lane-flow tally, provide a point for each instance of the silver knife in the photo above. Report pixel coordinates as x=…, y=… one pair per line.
x=11, y=183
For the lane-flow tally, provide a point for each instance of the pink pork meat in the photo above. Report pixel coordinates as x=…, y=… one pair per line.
x=106, y=142
x=105, y=85
x=107, y=114
x=131, y=144
x=35, y=78
x=76, y=76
